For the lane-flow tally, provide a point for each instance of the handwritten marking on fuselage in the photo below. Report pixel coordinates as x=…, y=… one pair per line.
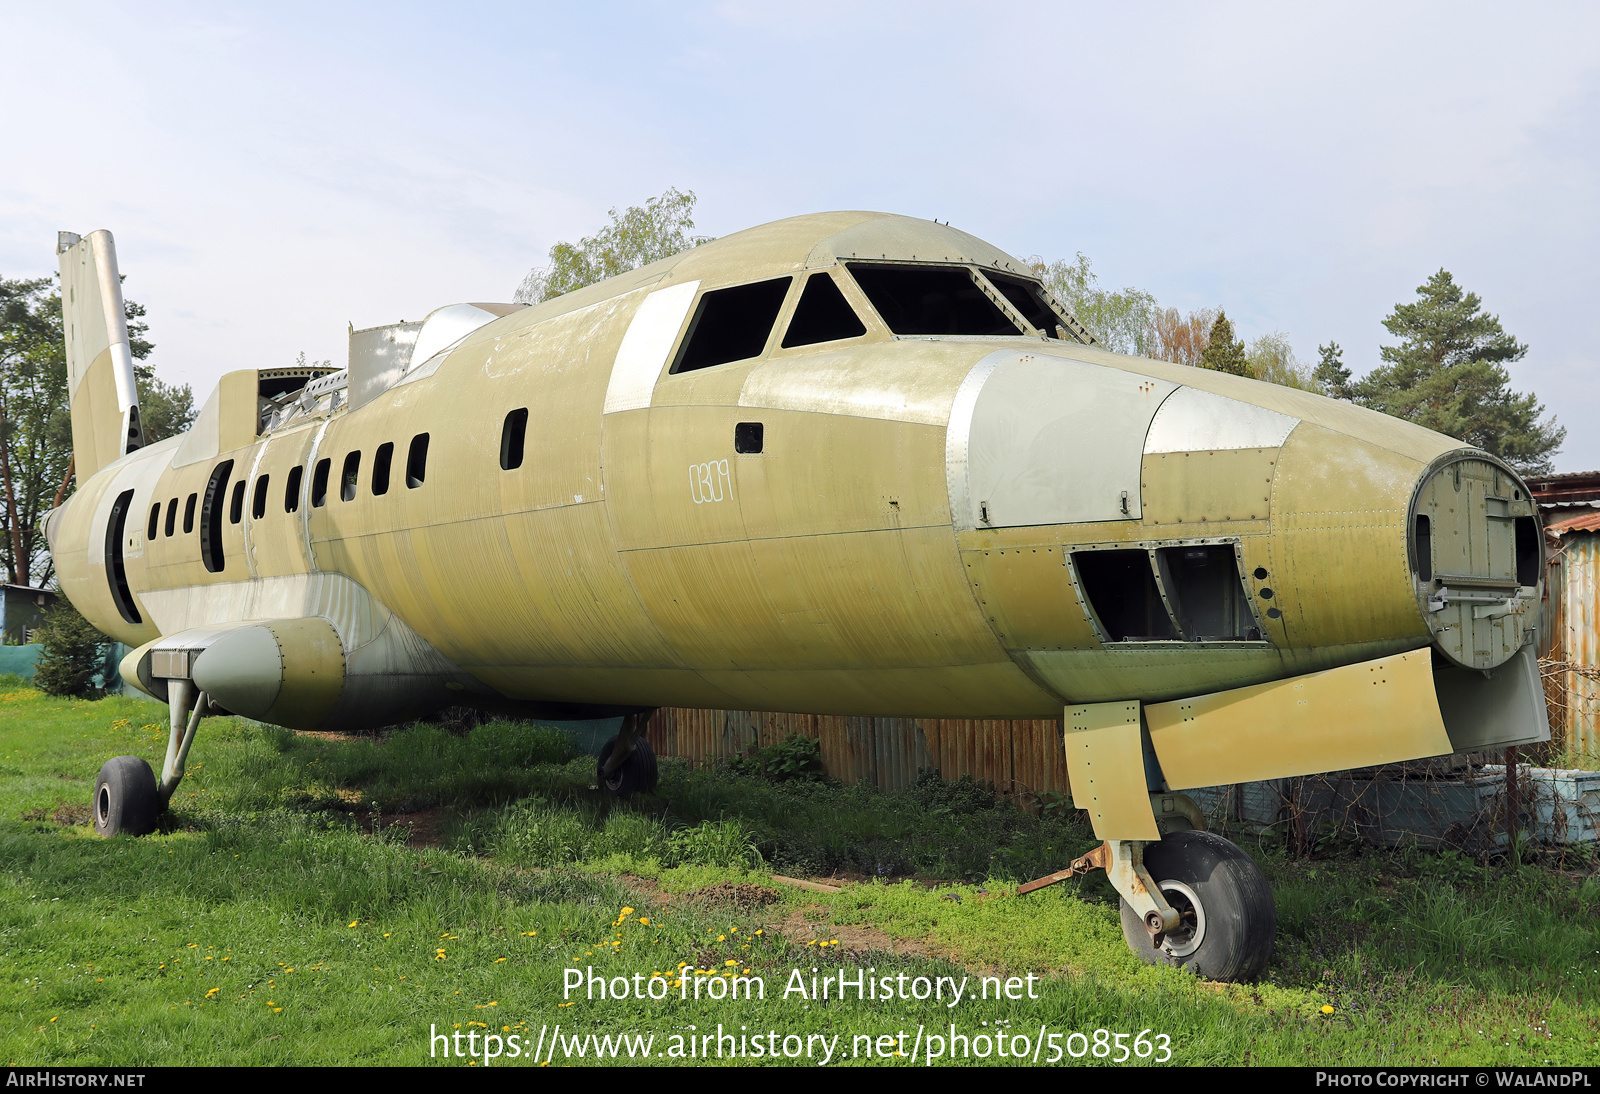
x=709, y=482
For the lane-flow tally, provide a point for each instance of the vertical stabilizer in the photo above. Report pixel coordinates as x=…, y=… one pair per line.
x=100, y=381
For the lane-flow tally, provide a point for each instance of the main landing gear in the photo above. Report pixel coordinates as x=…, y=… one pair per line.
x=627, y=763
x=127, y=798
x=1191, y=900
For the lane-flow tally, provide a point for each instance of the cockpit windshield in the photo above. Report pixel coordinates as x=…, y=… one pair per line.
x=1027, y=297
x=930, y=300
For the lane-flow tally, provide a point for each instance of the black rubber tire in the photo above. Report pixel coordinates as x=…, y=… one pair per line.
x=125, y=798
x=1236, y=909
x=636, y=775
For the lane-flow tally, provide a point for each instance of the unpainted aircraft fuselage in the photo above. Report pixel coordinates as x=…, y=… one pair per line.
x=845, y=463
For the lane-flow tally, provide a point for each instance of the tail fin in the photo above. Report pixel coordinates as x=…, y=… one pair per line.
x=100, y=381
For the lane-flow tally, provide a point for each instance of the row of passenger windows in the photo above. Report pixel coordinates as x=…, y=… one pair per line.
x=349, y=479
x=733, y=324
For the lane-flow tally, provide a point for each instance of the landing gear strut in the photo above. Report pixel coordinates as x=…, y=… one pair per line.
x=127, y=798
x=1226, y=919
x=1191, y=900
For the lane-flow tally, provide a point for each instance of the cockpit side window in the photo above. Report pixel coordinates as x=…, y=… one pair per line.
x=1029, y=301
x=731, y=324
x=930, y=300
x=823, y=315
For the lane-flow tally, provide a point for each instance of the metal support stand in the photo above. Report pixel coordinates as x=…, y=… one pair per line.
x=1123, y=862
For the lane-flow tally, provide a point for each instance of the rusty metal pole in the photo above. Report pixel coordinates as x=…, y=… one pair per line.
x=1511, y=800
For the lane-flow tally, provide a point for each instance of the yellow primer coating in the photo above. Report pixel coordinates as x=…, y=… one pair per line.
x=634, y=557
x=313, y=671
x=1105, y=761
x=1376, y=712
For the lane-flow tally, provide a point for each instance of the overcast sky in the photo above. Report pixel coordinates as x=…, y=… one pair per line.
x=274, y=172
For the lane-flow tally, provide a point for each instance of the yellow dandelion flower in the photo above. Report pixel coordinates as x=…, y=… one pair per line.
x=1327, y=1010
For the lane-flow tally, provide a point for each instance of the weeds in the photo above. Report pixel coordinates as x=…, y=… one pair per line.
x=266, y=925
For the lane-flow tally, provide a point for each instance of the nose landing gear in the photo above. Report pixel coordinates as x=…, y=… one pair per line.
x=1191, y=900
x=1226, y=919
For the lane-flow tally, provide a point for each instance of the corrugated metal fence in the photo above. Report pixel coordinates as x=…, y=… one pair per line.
x=1022, y=758
x=1572, y=668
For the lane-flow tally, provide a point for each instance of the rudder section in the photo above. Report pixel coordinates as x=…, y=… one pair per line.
x=100, y=380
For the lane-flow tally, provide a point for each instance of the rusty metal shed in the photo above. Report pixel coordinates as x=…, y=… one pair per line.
x=1571, y=665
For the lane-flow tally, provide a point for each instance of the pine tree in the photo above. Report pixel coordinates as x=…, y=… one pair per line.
x=74, y=652
x=1448, y=374
x=1331, y=373
x=1223, y=351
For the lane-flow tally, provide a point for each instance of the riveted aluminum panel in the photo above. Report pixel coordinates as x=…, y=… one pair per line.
x=1360, y=715
x=1105, y=755
x=1036, y=439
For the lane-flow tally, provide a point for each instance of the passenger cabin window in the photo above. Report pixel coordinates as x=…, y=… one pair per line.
x=382, y=459
x=823, y=315
x=236, y=506
x=211, y=517
x=188, y=513
x=930, y=300
x=291, y=491
x=258, y=500
x=513, y=434
x=417, y=461
x=172, y=517
x=155, y=521
x=349, y=476
x=1121, y=589
x=731, y=324
x=319, y=484
x=1027, y=297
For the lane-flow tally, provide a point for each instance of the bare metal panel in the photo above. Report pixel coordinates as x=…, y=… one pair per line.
x=644, y=348
x=1191, y=420
x=378, y=358
x=1504, y=708
x=1036, y=439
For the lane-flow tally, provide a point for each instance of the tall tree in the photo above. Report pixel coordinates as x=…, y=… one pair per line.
x=1271, y=358
x=1330, y=373
x=1223, y=351
x=1123, y=322
x=1448, y=374
x=1181, y=338
x=637, y=237
x=36, y=424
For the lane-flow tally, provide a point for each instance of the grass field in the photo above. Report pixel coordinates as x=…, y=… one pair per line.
x=361, y=901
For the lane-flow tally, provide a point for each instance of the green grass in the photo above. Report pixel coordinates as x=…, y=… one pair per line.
x=280, y=917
